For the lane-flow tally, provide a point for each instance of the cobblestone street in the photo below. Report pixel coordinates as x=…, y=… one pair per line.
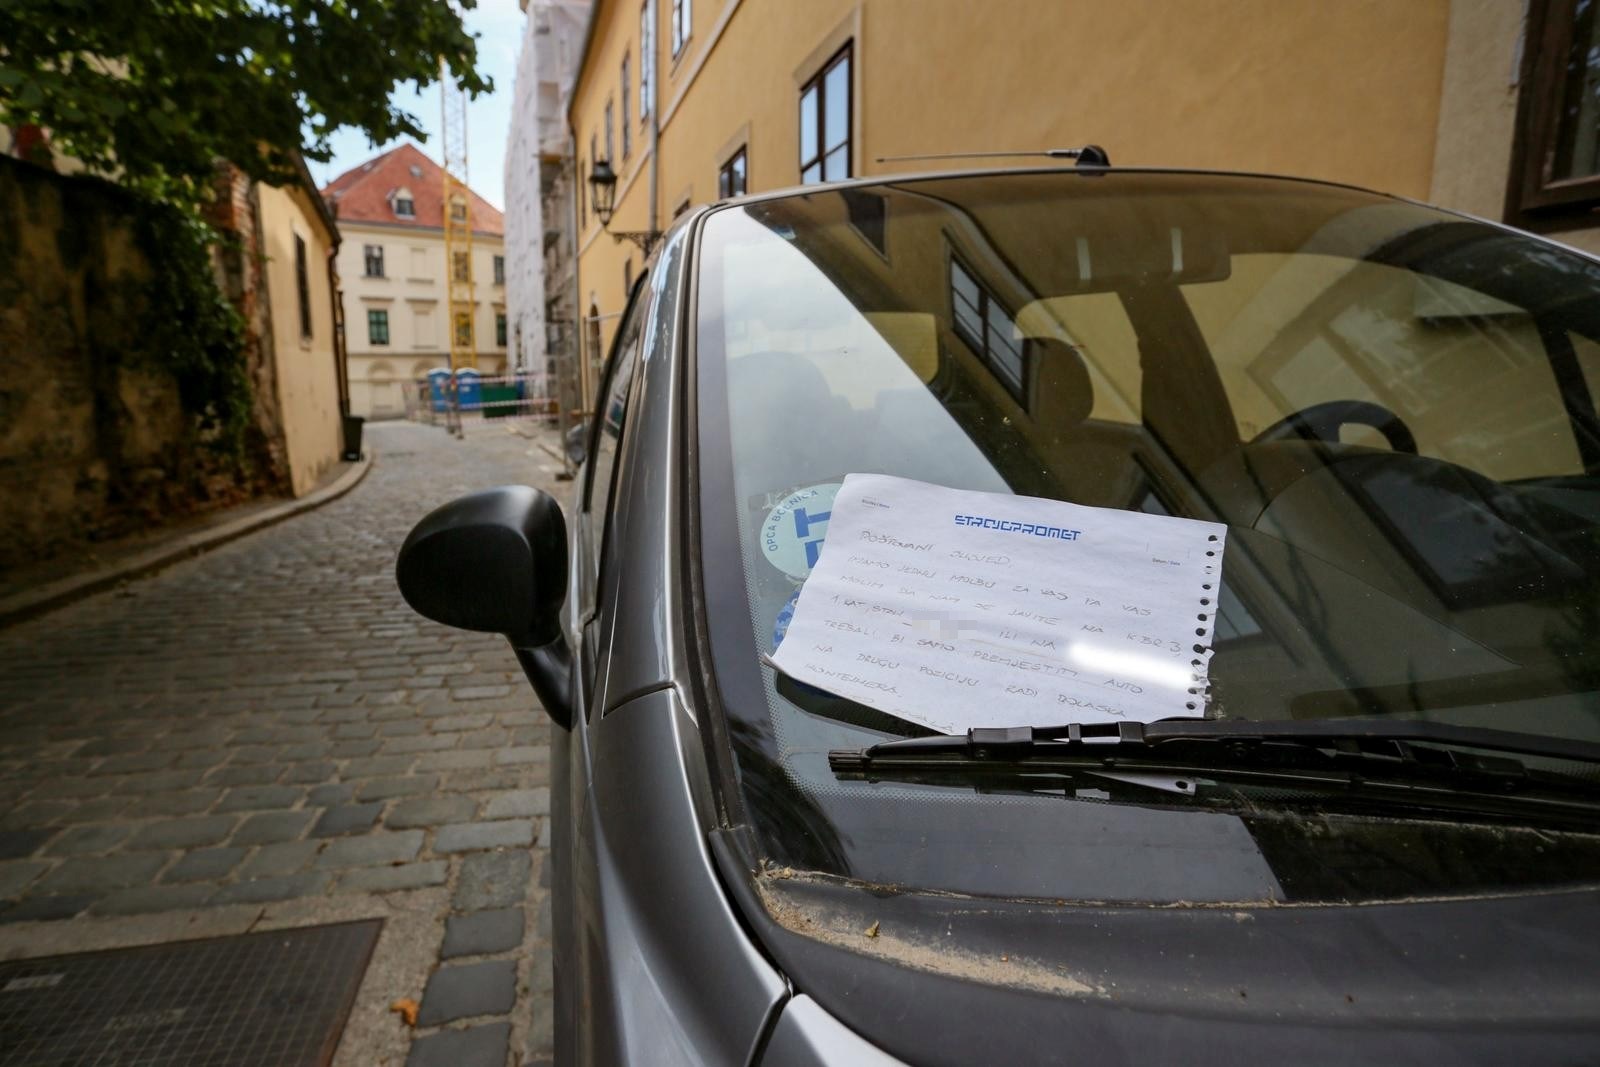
x=267, y=736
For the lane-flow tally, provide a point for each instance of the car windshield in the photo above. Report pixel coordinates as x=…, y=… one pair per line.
x=1390, y=407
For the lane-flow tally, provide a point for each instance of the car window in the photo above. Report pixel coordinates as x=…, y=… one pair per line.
x=613, y=407
x=1391, y=409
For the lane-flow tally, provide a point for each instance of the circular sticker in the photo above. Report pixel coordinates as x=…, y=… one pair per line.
x=792, y=533
x=785, y=616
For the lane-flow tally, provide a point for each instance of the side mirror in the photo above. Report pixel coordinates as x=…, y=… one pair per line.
x=496, y=562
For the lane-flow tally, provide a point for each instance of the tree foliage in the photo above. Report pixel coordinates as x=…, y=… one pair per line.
x=152, y=92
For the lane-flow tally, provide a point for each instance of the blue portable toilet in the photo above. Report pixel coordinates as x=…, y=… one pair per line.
x=439, y=388
x=469, y=389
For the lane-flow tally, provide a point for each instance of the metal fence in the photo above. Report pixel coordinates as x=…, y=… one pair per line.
x=442, y=402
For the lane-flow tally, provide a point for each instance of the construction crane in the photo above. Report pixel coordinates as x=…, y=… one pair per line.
x=457, y=232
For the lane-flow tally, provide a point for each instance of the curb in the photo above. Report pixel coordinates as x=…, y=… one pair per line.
x=45, y=598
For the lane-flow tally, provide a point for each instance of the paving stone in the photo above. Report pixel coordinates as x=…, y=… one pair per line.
x=16, y=874
x=388, y=879
x=474, y=836
x=462, y=722
x=266, y=890
x=309, y=773
x=48, y=908
x=476, y=1046
x=518, y=802
x=482, y=933
x=423, y=743
x=458, y=760
x=429, y=811
x=276, y=861
x=255, y=774
x=204, y=865
x=185, y=833
x=83, y=840
x=405, y=785
x=480, y=692
x=97, y=874
x=466, y=990
x=348, y=819
x=260, y=797
x=324, y=796
x=15, y=844
x=138, y=761
x=492, y=880
x=272, y=826
x=371, y=850
x=153, y=898
x=160, y=805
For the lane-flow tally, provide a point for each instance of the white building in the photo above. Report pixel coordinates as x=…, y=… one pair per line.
x=392, y=270
x=540, y=250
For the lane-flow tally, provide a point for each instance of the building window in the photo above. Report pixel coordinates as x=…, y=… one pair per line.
x=377, y=327
x=500, y=328
x=682, y=22
x=731, y=178
x=647, y=59
x=987, y=328
x=302, y=282
x=627, y=94
x=458, y=209
x=499, y=270
x=611, y=144
x=825, y=122
x=463, y=329
x=374, y=258
x=404, y=206
x=1556, y=152
x=627, y=277
x=460, y=267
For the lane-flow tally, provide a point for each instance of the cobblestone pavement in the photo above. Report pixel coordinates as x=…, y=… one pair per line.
x=267, y=736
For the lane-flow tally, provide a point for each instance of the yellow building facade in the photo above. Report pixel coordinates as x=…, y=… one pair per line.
x=1430, y=99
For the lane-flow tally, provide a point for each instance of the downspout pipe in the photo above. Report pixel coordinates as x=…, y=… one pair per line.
x=655, y=118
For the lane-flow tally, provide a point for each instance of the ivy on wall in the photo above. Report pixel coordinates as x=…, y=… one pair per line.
x=195, y=327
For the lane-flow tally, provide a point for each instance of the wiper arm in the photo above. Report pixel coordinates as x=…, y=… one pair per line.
x=1204, y=740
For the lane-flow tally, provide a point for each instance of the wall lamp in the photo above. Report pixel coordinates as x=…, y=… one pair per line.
x=603, y=190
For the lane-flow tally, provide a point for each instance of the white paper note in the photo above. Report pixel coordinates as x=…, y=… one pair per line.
x=956, y=609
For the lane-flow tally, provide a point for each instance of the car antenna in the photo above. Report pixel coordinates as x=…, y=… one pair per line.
x=1090, y=155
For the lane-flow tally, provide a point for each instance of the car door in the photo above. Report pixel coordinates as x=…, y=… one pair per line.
x=570, y=767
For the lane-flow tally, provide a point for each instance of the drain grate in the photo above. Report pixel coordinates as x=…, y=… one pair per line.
x=277, y=998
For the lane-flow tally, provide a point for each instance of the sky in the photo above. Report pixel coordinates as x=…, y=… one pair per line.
x=498, y=27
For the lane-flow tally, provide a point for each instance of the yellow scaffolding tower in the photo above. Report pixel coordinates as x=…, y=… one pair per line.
x=457, y=225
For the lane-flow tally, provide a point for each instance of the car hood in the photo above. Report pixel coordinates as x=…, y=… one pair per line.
x=942, y=979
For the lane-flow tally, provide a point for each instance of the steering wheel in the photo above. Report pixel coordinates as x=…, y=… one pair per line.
x=1321, y=422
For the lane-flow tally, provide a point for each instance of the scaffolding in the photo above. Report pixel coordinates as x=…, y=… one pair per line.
x=457, y=207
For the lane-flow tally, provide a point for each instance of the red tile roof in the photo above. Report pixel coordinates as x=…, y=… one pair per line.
x=365, y=193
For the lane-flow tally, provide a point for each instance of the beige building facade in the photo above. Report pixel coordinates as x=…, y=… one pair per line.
x=1459, y=102
x=395, y=279
x=300, y=241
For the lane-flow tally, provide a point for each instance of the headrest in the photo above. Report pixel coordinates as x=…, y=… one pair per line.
x=1061, y=381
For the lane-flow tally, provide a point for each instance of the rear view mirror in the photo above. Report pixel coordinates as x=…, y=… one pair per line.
x=496, y=562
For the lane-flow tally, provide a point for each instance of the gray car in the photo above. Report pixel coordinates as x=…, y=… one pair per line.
x=1375, y=837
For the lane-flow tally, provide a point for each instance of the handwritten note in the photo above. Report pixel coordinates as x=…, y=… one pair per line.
x=956, y=609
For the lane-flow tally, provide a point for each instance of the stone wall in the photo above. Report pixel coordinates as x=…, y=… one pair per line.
x=94, y=441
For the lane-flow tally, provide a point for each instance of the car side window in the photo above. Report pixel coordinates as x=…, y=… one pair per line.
x=607, y=432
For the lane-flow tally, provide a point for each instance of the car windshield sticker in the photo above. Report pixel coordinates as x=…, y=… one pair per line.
x=956, y=609
x=793, y=531
x=785, y=616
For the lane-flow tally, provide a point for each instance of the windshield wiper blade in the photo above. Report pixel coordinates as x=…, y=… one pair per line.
x=1233, y=739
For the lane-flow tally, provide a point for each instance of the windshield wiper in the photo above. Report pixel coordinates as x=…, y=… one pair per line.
x=1388, y=747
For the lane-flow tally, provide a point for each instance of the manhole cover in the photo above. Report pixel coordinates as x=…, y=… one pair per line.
x=276, y=998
